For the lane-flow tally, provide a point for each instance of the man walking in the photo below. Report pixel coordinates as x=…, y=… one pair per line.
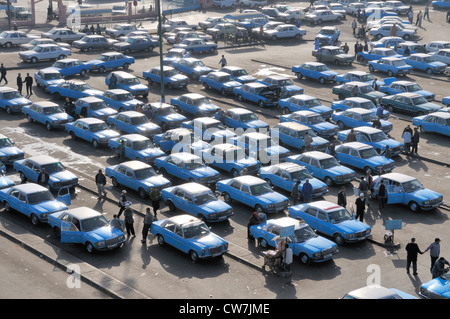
x=419, y=19
x=308, y=141
x=412, y=249
x=29, y=83
x=223, y=61
x=307, y=191
x=435, y=251
x=364, y=189
x=415, y=141
x=360, y=207
x=295, y=193
x=100, y=181
x=3, y=74
x=129, y=219
x=155, y=197
x=43, y=178
x=148, y=220
x=407, y=141
x=381, y=194
x=427, y=12
x=19, y=82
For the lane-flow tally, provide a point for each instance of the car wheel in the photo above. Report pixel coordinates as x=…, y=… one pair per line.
x=83, y=73
x=205, y=85
x=34, y=219
x=171, y=206
x=338, y=239
x=263, y=243
x=73, y=136
x=126, y=51
x=240, y=98
x=193, y=255
x=406, y=37
x=101, y=69
x=322, y=80
x=8, y=109
x=126, y=66
x=261, y=104
x=89, y=247
x=22, y=177
x=169, y=86
x=212, y=50
x=390, y=108
x=429, y=71
x=286, y=110
x=234, y=172
x=61, y=57
x=7, y=207
x=227, y=198
x=297, y=37
x=367, y=169
x=223, y=92
x=319, y=21
x=371, y=68
x=114, y=182
x=34, y=60
x=299, y=75
x=48, y=126
x=57, y=232
x=268, y=181
x=273, y=38
x=259, y=209
x=414, y=207
x=150, y=49
x=95, y=143
x=390, y=73
x=8, y=45
x=304, y=258
x=341, y=125
x=160, y=240
x=142, y=193
x=329, y=181
x=422, y=129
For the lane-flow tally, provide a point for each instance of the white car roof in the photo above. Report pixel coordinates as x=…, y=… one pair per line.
x=82, y=212
x=398, y=177
x=44, y=104
x=30, y=188
x=43, y=159
x=134, y=165
x=249, y=180
x=357, y=145
x=317, y=155
x=194, y=188
x=325, y=205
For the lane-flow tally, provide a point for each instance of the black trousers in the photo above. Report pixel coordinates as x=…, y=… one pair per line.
x=3, y=77
x=145, y=230
x=410, y=261
x=130, y=228
x=19, y=88
x=414, y=147
x=29, y=90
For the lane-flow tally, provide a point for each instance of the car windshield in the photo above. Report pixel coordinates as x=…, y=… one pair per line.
x=234, y=155
x=194, y=164
x=11, y=95
x=311, y=103
x=398, y=63
x=390, y=53
x=174, y=54
x=285, y=82
x=412, y=186
x=103, y=58
x=59, y=65
x=92, y=223
x=368, y=117
x=124, y=97
x=196, y=230
x=130, y=81
x=5, y=142
x=303, y=234
x=240, y=72
x=327, y=163
x=248, y=117
x=429, y=59
x=368, y=153
x=260, y=189
x=83, y=87
x=337, y=51
x=378, y=137
x=202, y=199
x=138, y=120
x=215, y=126
x=166, y=110
x=97, y=127
x=144, y=173
x=38, y=48
x=366, y=89
x=300, y=175
x=52, y=110
x=315, y=119
x=4, y=35
x=367, y=105
x=367, y=77
x=95, y=106
x=142, y=145
x=84, y=39
x=169, y=73
x=326, y=31
x=39, y=197
x=53, y=76
x=53, y=167
x=321, y=68
x=339, y=216
x=196, y=64
x=413, y=88
x=419, y=100
x=225, y=78
x=201, y=101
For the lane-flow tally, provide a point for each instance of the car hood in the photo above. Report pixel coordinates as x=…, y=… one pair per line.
x=148, y=127
x=246, y=78
x=19, y=101
x=271, y=198
x=232, y=84
x=391, y=142
x=320, y=109
x=152, y=152
x=49, y=206
x=107, y=134
x=329, y=73
x=317, y=244
x=93, y=92
x=173, y=117
x=424, y=93
x=94, y=62
x=62, y=176
x=55, y=82
x=379, y=160
x=324, y=126
x=340, y=170
x=430, y=106
x=276, y=149
x=59, y=116
x=5, y=182
x=177, y=77
x=215, y=206
x=138, y=87
x=438, y=286
x=10, y=150
x=352, y=226
x=257, y=124
x=324, y=36
x=204, y=171
x=345, y=56
x=107, y=111
x=205, y=242
x=157, y=180
x=425, y=194
x=104, y=233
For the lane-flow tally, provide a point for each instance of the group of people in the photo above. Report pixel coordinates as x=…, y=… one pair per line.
x=411, y=140
x=28, y=80
x=437, y=266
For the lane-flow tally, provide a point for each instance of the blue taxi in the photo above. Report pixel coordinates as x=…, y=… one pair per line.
x=46, y=77
x=426, y=62
x=70, y=67
x=242, y=119
x=286, y=84
x=73, y=90
x=197, y=200
x=137, y=147
x=396, y=87
x=357, y=102
x=436, y=288
x=262, y=94
x=312, y=120
x=133, y=122
x=437, y=122
x=164, y=115
x=220, y=81
x=209, y=129
x=180, y=140
x=128, y=82
x=359, y=117
x=120, y=100
x=316, y=71
x=304, y=102
x=92, y=130
x=239, y=74
x=293, y=134
x=48, y=113
x=11, y=100
x=91, y=106
x=192, y=67
x=8, y=152
x=391, y=65
x=194, y=104
x=172, y=79
x=110, y=60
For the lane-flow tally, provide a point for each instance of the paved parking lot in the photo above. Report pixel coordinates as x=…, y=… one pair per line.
x=147, y=268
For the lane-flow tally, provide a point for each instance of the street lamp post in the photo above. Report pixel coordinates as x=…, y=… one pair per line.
x=8, y=8
x=161, y=66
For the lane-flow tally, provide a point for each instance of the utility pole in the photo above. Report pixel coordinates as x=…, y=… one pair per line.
x=161, y=67
x=8, y=8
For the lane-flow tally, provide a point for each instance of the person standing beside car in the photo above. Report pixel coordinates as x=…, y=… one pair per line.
x=100, y=181
x=19, y=83
x=43, y=178
x=381, y=194
x=129, y=219
x=29, y=84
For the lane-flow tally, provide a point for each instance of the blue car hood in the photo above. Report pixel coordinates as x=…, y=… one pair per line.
x=340, y=170
x=137, y=87
x=62, y=176
x=324, y=126
x=317, y=244
x=93, y=92
x=391, y=142
x=54, y=82
x=246, y=78
x=315, y=183
x=10, y=150
x=438, y=286
x=379, y=160
x=271, y=198
x=105, y=112
x=215, y=206
x=59, y=116
x=210, y=240
x=49, y=206
x=5, y=182
x=319, y=141
x=147, y=126
x=107, y=134
x=320, y=109
x=19, y=101
x=152, y=152
x=232, y=84
x=173, y=117
x=329, y=73
x=256, y=124
x=276, y=150
x=157, y=180
x=204, y=172
x=352, y=226
x=424, y=194
x=431, y=106
x=104, y=233
x=177, y=77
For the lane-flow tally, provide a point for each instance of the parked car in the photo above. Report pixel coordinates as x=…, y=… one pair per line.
x=83, y=225
x=230, y=158
x=316, y=71
x=333, y=54
x=172, y=79
x=11, y=100
x=242, y=119
x=376, y=54
x=9, y=39
x=120, y=100
x=121, y=29
x=92, y=130
x=128, y=82
x=190, y=235
x=44, y=52
x=332, y=220
x=437, y=45
x=284, y=31
x=324, y=167
x=188, y=34
x=174, y=55
x=170, y=24
x=321, y=16
x=407, y=190
x=410, y=103
x=285, y=175
x=63, y=35
x=110, y=60
x=191, y=67
x=436, y=288
x=292, y=134
x=30, y=168
x=375, y=138
x=133, y=122
x=262, y=94
x=292, y=15
x=211, y=21
x=136, y=175
x=426, y=62
x=253, y=192
x=398, y=7
x=196, y=45
x=261, y=147
x=209, y=129
x=238, y=74
x=357, y=102
x=137, y=147
x=357, y=117
x=194, y=104
x=197, y=200
x=440, y=4
x=164, y=115
x=91, y=106
x=413, y=48
x=364, y=157
x=73, y=90
x=136, y=44
x=187, y=167
x=328, y=35
x=220, y=81
x=437, y=122
x=391, y=42
x=93, y=42
x=48, y=113
x=221, y=29
x=378, y=13
x=288, y=87
x=385, y=30
x=443, y=55
x=46, y=77
x=358, y=76
x=70, y=67
x=180, y=140
x=357, y=89
x=312, y=120
x=8, y=152
x=304, y=102
x=396, y=87
x=32, y=200
x=391, y=66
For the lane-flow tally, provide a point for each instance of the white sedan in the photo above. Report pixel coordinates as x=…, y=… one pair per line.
x=10, y=38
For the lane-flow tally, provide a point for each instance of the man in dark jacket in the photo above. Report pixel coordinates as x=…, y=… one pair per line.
x=412, y=250
x=19, y=83
x=360, y=207
x=3, y=74
x=29, y=84
x=100, y=181
x=43, y=178
x=342, y=198
x=415, y=141
x=307, y=191
x=381, y=194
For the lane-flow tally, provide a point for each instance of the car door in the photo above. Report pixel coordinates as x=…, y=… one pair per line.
x=129, y=180
x=395, y=193
x=120, y=174
x=64, y=196
x=70, y=230
x=179, y=199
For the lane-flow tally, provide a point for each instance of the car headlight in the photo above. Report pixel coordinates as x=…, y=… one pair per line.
x=100, y=243
x=427, y=202
x=315, y=255
x=338, y=178
x=270, y=206
x=203, y=252
x=44, y=215
x=350, y=235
